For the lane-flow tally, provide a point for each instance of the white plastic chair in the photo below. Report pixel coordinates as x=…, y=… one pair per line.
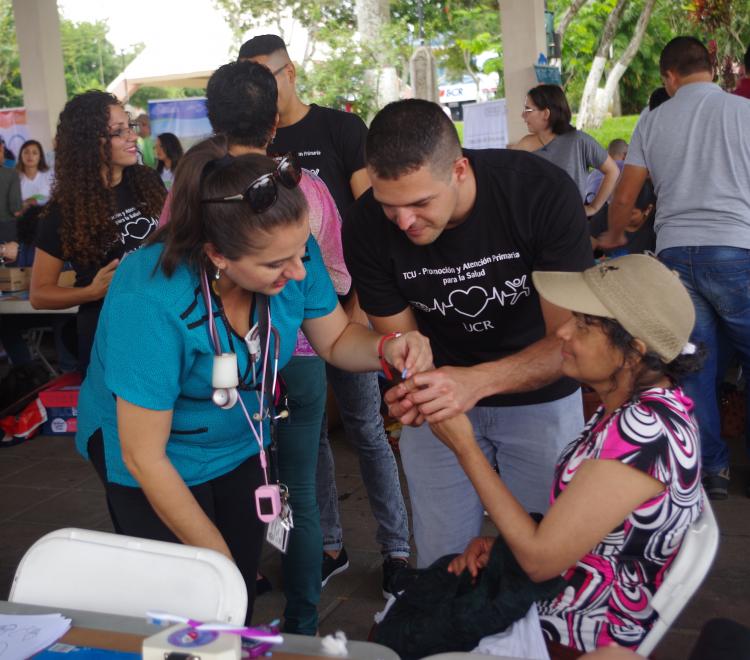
x=101, y=572
x=685, y=575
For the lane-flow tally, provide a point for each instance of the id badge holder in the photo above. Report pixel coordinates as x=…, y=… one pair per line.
x=280, y=527
x=267, y=502
x=277, y=535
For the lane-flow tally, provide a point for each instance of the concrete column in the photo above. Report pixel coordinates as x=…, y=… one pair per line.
x=523, y=40
x=42, y=76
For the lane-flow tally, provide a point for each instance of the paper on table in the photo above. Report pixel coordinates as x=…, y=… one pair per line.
x=23, y=635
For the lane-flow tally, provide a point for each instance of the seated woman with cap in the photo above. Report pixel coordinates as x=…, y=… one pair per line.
x=627, y=489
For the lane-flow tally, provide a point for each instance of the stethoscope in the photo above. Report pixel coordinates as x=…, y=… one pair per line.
x=225, y=372
x=225, y=383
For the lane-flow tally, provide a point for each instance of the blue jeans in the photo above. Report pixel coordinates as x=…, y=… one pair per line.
x=718, y=279
x=523, y=441
x=358, y=399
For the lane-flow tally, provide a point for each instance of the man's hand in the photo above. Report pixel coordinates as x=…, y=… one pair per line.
x=433, y=395
x=401, y=407
x=475, y=557
x=445, y=392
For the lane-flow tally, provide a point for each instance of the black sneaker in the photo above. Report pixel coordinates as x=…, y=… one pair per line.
x=392, y=566
x=716, y=485
x=333, y=566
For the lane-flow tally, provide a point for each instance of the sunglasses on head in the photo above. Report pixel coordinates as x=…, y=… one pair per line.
x=262, y=193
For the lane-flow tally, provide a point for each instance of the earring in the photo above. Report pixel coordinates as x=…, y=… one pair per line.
x=218, y=274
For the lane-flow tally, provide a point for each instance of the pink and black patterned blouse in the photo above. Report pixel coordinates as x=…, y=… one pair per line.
x=608, y=597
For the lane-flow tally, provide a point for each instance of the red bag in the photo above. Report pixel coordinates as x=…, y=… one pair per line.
x=17, y=428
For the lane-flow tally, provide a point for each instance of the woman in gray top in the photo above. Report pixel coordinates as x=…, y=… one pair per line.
x=551, y=136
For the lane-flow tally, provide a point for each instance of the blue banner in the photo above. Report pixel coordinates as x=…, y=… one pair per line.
x=186, y=118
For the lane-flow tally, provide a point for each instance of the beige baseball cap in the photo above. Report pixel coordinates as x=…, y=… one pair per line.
x=637, y=291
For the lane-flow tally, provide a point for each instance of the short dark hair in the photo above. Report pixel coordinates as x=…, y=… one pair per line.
x=747, y=61
x=646, y=196
x=241, y=100
x=406, y=135
x=263, y=44
x=617, y=146
x=552, y=98
x=658, y=96
x=685, y=56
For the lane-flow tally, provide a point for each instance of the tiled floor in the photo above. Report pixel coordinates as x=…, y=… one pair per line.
x=45, y=485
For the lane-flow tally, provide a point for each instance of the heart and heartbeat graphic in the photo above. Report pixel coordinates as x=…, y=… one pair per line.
x=473, y=301
x=138, y=229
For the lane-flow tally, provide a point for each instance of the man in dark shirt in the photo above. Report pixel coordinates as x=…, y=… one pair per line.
x=331, y=143
x=743, y=86
x=446, y=242
x=328, y=142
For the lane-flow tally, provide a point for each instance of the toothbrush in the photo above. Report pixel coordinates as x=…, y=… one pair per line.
x=163, y=618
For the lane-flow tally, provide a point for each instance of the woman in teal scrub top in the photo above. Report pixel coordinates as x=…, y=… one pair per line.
x=176, y=466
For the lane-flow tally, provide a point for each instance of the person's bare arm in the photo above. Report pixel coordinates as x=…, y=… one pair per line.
x=528, y=142
x=359, y=182
x=402, y=322
x=448, y=391
x=144, y=435
x=606, y=491
x=354, y=347
x=623, y=200
x=611, y=172
x=45, y=293
x=354, y=311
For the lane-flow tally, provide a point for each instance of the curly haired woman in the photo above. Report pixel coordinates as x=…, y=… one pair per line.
x=103, y=206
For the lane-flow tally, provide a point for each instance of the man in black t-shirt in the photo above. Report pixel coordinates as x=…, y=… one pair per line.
x=446, y=242
x=331, y=143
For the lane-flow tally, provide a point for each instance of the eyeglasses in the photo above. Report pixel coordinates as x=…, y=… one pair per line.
x=527, y=109
x=280, y=69
x=132, y=127
x=262, y=193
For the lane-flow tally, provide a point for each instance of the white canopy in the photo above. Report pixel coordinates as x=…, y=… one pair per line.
x=187, y=61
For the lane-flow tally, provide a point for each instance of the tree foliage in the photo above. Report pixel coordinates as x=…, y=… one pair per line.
x=90, y=61
x=582, y=40
x=725, y=26
x=334, y=65
x=10, y=67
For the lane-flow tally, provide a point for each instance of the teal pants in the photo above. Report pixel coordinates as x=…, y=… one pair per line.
x=298, y=439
